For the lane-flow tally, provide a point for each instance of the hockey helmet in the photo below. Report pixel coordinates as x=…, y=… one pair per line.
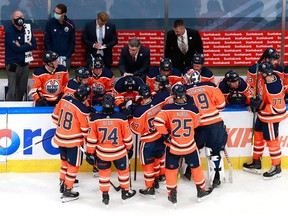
x=163, y=80
x=144, y=91
x=129, y=83
x=231, y=76
x=198, y=59
x=82, y=72
x=166, y=64
x=178, y=90
x=99, y=63
x=195, y=77
x=266, y=67
x=271, y=53
x=50, y=56
x=108, y=101
x=83, y=91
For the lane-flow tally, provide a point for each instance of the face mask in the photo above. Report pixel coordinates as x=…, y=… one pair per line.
x=57, y=16
x=19, y=21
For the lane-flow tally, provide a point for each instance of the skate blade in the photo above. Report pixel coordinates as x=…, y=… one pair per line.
x=200, y=199
x=127, y=200
x=148, y=196
x=254, y=171
x=273, y=177
x=95, y=175
x=68, y=199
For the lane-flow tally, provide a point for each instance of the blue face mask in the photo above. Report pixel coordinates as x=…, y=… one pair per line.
x=57, y=16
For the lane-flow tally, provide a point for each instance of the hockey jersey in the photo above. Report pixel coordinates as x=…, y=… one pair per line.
x=144, y=115
x=209, y=100
x=71, y=87
x=173, y=78
x=178, y=120
x=272, y=94
x=49, y=85
x=71, y=118
x=109, y=136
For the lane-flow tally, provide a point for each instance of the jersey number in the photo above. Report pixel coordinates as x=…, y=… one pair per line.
x=109, y=137
x=65, y=120
x=186, y=129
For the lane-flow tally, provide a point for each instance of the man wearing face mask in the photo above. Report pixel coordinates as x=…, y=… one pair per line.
x=60, y=35
x=19, y=42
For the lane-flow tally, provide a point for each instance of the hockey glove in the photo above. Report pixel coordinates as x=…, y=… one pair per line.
x=257, y=104
x=91, y=159
x=130, y=153
x=92, y=109
x=236, y=99
x=167, y=138
x=127, y=113
x=41, y=102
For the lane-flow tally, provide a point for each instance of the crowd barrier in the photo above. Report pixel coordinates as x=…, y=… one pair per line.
x=22, y=127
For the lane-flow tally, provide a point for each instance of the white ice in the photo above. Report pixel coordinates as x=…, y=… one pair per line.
x=38, y=194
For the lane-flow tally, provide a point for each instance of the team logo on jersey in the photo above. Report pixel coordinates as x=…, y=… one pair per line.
x=52, y=86
x=98, y=88
x=66, y=29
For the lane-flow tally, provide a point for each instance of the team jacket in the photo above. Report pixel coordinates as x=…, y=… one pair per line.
x=49, y=85
x=143, y=117
x=206, y=75
x=243, y=88
x=251, y=75
x=178, y=120
x=120, y=93
x=71, y=118
x=272, y=95
x=209, y=99
x=109, y=135
x=173, y=78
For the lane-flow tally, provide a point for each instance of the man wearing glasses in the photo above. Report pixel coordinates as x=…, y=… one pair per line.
x=60, y=35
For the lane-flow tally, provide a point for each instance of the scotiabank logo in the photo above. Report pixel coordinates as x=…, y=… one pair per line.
x=11, y=142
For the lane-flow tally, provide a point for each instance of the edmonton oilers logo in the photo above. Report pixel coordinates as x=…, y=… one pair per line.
x=52, y=86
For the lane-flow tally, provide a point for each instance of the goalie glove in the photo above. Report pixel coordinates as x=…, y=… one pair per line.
x=257, y=104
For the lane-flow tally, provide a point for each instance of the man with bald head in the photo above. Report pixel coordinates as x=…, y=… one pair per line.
x=19, y=42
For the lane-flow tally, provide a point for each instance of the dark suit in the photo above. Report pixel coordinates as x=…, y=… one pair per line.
x=172, y=50
x=138, y=68
x=110, y=39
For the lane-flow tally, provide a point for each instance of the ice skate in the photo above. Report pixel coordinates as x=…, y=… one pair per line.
x=148, y=192
x=253, y=167
x=173, y=197
x=69, y=195
x=127, y=194
x=202, y=194
x=216, y=181
x=105, y=198
x=61, y=184
x=274, y=172
x=156, y=183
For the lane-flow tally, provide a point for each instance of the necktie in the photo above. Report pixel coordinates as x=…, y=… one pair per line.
x=183, y=46
x=100, y=40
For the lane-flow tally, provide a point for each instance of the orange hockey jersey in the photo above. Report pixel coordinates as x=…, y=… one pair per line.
x=71, y=118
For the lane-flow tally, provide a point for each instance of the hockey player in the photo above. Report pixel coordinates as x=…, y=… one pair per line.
x=211, y=132
x=126, y=89
x=166, y=69
x=152, y=147
x=49, y=81
x=81, y=77
x=176, y=122
x=71, y=117
x=271, y=110
x=235, y=89
x=110, y=137
x=101, y=81
x=198, y=65
x=161, y=84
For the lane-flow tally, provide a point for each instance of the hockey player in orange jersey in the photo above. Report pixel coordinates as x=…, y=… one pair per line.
x=49, y=81
x=110, y=137
x=271, y=109
x=211, y=132
x=152, y=146
x=71, y=117
x=176, y=122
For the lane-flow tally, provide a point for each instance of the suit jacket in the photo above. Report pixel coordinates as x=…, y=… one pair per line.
x=172, y=50
x=89, y=37
x=138, y=68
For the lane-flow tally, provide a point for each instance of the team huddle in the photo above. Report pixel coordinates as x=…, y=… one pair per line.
x=176, y=115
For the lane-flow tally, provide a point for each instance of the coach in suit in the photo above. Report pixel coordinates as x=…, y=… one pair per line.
x=100, y=37
x=181, y=45
x=134, y=59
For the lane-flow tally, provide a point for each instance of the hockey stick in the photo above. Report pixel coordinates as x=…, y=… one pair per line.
x=87, y=155
x=49, y=137
x=230, y=166
x=179, y=169
x=135, y=159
